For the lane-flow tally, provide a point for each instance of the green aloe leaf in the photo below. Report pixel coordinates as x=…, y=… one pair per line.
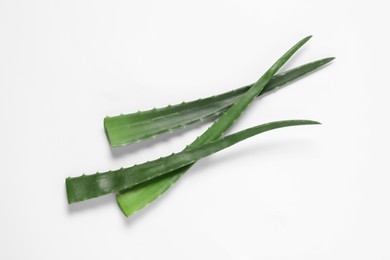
x=126, y=129
x=91, y=186
x=133, y=200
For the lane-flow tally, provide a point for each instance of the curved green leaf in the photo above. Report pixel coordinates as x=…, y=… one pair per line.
x=91, y=186
x=126, y=129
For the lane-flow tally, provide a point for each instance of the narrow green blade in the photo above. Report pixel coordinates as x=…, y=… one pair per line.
x=126, y=129
x=129, y=201
x=91, y=186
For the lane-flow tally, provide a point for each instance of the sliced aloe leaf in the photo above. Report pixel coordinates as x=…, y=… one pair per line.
x=126, y=129
x=130, y=201
x=91, y=186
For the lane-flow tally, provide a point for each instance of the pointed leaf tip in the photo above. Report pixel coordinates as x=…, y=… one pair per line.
x=308, y=122
x=307, y=38
x=329, y=59
x=313, y=122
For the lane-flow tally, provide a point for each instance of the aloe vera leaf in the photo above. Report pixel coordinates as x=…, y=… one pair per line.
x=126, y=129
x=130, y=202
x=91, y=186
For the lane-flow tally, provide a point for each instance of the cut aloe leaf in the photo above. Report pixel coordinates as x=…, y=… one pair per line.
x=130, y=201
x=126, y=129
x=91, y=186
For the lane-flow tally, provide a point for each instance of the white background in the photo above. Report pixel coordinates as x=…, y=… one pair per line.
x=311, y=192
